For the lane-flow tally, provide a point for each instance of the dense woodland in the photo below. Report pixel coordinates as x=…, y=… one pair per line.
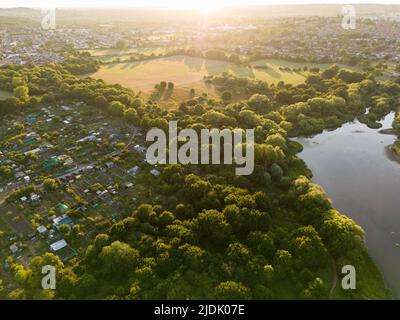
x=209, y=233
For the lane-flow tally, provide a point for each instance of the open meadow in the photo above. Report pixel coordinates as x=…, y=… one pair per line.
x=184, y=70
x=188, y=72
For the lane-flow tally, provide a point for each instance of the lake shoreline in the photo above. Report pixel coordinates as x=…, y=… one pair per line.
x=389, y=131
x=366, y=167
x=391, y=155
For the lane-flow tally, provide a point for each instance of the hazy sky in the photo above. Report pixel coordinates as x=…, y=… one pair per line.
x=183, y=4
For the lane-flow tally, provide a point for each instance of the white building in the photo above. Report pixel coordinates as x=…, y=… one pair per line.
x=14, y=248
x=41, y=230
x=133, y=171
x=56, y=246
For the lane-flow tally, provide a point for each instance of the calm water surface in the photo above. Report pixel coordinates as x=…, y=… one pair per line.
x=351, y=164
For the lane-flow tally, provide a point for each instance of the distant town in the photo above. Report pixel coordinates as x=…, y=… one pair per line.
x=77, y=193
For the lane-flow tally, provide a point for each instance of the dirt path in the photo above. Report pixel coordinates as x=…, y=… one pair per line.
x=334, y=279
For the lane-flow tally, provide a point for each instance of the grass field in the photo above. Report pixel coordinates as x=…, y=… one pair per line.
x=121, y=52
x=188, y=72
x=5, y=94
x=184, y=70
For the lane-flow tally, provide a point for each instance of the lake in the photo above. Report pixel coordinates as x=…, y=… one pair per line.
x=352, y=165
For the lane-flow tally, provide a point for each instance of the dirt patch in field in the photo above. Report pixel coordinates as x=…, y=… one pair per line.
x=15, y=220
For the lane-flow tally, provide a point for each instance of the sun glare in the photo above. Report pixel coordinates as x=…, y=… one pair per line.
x=202, y=6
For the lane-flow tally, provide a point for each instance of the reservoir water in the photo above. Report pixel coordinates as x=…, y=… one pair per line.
x=352, y=164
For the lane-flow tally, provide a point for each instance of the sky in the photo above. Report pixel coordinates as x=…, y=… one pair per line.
x=175, y=4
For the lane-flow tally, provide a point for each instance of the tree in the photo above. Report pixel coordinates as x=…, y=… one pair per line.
x=193, y=256
x=330, y=72
x=238, y=254
x=2, y=290
x=131, y=116
x=216, y=55
x=171, y=85
x=277, y=140
x=309, y=248
x=260, y=103
x=283, y=97
x=50, y=184
x=67, y=283
x=116, y=108
x=163, y=85
x=261, y=292
x=6, y=171
x=396, y=123
x=350, y=76
x=64, y=230
x=217, y=119
x=137, y=102
x=245, y=220
x=262, y=243
x=313, y=79
x=118, y=259
x=196, y=188
x=166, y=218
x=86, y=285
x=231, y=290
x=199, y=110
x=268, y=272
x=213, y=229
x=283, y=263
x=248, y=119
x=226, y=96
x=276, y=171
x=145, y=212
x=315, y=290
x=100, y=102
x=339, y=234
x=22, y=93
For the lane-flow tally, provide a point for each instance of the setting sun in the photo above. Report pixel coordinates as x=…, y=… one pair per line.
x=203, y=6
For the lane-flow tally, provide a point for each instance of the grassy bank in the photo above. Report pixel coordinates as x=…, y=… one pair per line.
x=396, y=148
x=369, y=279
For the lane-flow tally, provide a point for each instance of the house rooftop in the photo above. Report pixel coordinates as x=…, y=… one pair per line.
x=58, y=245
x=41, y=229
x=61, y=207
x=13, y=248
